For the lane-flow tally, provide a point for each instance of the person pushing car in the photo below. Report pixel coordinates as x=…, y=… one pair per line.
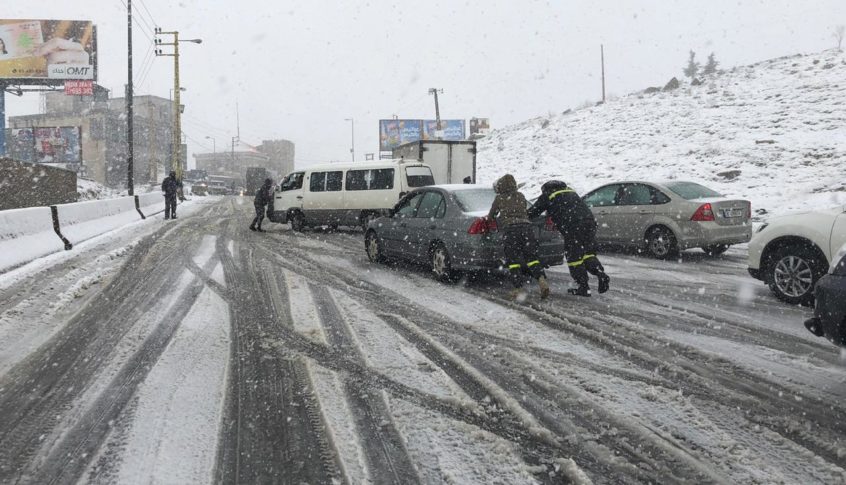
x=518, y=237
x=576, y=223
x=264, y=196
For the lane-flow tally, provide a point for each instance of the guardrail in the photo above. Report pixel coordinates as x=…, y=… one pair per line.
x=30, y=233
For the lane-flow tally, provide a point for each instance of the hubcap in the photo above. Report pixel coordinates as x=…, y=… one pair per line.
x=660, y=245
x=439, y=262
x=793, y=276
x=372, y=247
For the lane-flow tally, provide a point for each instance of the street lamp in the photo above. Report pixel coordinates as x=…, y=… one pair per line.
x=214, y=150
x=352, y=140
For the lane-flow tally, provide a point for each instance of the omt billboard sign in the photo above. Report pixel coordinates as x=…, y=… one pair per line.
x=47, y=51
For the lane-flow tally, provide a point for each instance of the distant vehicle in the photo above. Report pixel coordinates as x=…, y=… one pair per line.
x=199, y=188
x=451, y=161
x=217, y=187
x=791, y=253
x=669, y=217
x=345, y=194
x=829, y=319
x=255, y=178
x=445, y=227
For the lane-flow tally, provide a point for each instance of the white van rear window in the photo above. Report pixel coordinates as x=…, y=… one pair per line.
x=419, y=176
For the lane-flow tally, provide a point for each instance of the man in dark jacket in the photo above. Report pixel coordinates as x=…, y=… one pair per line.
x=576, y=222
x=170, y=187
x=264, y=196
x=518, y=237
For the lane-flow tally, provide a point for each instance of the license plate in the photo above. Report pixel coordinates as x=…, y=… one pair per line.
x=730, y=213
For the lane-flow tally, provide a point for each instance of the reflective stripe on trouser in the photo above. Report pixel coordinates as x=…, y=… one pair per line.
x=521, y=253
x=580, y=246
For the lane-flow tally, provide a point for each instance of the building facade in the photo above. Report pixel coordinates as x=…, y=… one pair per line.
x=102, y=136
x=277, y=156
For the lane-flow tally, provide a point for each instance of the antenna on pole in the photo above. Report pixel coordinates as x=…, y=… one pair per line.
x=237, y=121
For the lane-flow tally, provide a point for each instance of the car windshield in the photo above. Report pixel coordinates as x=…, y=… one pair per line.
x=691, y=191
x=475, y=200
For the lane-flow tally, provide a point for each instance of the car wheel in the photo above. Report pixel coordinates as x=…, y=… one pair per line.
x=661, y=243
x=792, y=273
x=297, y=221
x=716, y=249
x=442, y=265
x=373, y=246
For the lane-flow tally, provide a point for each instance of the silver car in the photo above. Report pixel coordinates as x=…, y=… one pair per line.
x=444, y=226
x=665, y=218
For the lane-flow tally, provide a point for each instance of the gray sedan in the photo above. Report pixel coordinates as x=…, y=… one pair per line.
x=666, y=218
x=445, y=227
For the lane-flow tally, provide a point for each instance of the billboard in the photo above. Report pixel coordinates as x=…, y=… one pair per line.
x=47, y=51
x=59, y=144
x=480, y=126
x=393, y=133
x=451, y=130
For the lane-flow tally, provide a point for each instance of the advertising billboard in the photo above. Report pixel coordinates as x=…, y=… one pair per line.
x=452, y=130
x=480, y=126
x=393, y=133
x=47, y=51
x=59, y=144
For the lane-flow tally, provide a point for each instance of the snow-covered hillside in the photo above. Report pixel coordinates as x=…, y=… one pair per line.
x=773, y=132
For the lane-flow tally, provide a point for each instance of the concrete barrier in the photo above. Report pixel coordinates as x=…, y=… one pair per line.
x=151, y=203
x=84, y=220
x=26, y=234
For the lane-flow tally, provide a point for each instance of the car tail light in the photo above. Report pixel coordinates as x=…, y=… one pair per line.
x=703, y=213
x=482, y=225
x=749, y=208
x=549, y=225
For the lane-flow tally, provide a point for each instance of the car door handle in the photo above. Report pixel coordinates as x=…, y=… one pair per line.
x=300, y=197
x=644, y=212
x=602, y=213
x=402, y=224
x=433, y=226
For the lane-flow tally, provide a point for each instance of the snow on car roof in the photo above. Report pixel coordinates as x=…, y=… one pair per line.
x=459, y=187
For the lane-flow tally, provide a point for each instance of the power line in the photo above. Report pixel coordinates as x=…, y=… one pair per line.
x=140, y=26
x=144, y=66
x=148, y=12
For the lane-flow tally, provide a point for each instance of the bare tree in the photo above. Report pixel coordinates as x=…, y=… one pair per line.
x=839, y=33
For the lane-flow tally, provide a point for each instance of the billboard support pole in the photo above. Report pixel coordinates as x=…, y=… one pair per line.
x=130, y=182
x=2, y=119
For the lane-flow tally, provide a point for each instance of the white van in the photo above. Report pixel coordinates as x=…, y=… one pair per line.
x=345, y=194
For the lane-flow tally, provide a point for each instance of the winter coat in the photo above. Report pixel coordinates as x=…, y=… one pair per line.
x=264, y=195
x=170, y=186
x=563, y=205
x=509, y=205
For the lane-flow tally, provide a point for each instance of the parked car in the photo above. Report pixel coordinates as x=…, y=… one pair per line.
x=791, y=253
x=665, y=218
x=345, y=194
x=445, y=226
x=829, y=319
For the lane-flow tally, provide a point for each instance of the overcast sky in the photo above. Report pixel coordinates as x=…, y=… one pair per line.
x=299, y=68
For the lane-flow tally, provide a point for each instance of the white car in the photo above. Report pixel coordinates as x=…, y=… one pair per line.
x=791, y=253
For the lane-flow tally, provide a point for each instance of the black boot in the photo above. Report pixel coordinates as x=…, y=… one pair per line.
x=580, y=291
x=252, y=227
x=604, y=281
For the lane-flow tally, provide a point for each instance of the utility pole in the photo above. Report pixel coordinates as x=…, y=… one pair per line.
x=176, y=156
x=352, y=141
x=602, y=57
x=437, y=108
x=130, y=182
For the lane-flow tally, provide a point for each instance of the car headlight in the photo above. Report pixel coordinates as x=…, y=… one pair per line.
x=763, y=226
x=838, y=265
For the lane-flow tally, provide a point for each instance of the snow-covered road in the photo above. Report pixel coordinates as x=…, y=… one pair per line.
x=197, y=351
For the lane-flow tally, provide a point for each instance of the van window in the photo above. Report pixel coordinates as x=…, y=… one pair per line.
x=293, y=181
x=419, y=176
x=334, y=181
x=317, y=182
x=377, y=179
x=325, y=181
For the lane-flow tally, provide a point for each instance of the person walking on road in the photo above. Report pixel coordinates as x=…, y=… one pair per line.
x=170, y=187
x=264, y=196
x=520, y=244
x=576, y=223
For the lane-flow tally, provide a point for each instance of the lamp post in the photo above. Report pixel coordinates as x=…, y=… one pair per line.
x=177, y=132
x=214, y=149
x=352, y=140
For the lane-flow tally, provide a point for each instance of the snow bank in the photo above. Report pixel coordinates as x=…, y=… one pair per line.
x=26, y=234
x=772, y=132
x=84, y=220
